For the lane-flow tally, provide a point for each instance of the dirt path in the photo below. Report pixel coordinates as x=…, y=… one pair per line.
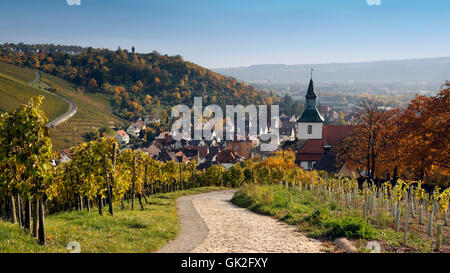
x=211, y=224
x=36, y=80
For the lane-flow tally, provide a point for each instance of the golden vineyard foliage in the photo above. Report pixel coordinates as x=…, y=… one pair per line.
x=25, y=151
x=25, y=167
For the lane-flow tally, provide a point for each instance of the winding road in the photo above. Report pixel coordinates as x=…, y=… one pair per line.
x=210, y=223
x=73, y=109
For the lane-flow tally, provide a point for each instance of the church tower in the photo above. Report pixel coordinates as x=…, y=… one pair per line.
x=310, y=124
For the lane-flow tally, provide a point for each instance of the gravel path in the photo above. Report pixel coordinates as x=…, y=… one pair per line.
x=211, y=224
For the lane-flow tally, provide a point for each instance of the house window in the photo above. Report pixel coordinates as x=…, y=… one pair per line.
x=309, y=129
x=310, y=164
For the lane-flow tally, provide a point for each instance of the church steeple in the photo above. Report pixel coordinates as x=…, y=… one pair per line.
x=311, y=96
x=311, y=114
x=310, y=124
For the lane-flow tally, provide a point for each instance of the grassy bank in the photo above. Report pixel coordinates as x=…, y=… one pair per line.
x=127, y=231
x=321, y=218
x=14, y=91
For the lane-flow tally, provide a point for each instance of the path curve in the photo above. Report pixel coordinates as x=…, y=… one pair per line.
x=212, y=224
x=73, y=108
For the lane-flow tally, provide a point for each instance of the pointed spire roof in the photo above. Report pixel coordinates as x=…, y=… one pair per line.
x=311, y=114
x=311, y=94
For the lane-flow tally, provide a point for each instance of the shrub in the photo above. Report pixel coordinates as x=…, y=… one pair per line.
x=351, y=227
x=290, y=219
x=318, y=217
x=333, y=206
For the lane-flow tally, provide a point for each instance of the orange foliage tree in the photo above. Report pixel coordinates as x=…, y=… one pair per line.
x=367, y=145
x=413, y=142
x=423, y=142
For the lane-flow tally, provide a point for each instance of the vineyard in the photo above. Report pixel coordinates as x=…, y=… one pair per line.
x=101, y=177
x=399, y=204
x=98, y=176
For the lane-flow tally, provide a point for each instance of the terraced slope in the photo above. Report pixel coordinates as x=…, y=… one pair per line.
x=94, y=111
x=15, y=90
x=24, y=75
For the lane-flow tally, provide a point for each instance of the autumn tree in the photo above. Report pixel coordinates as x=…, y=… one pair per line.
x=374, y=131
x=424, y=142
x=92, y=83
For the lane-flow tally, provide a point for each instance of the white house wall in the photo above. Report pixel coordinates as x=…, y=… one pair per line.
x=302, y=131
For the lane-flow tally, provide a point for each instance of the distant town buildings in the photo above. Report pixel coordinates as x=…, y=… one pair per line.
x=313, y=141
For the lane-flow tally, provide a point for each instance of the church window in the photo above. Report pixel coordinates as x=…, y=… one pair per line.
x=309, y=129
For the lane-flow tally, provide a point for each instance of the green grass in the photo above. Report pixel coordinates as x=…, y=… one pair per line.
x=24, y=75
x=14, y=93
x=136, y=231
x=94, y=110
x=316, y=215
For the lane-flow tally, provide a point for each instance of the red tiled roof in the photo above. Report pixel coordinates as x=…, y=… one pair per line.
x=152, y=150
x=313, y=146
x=203, y=151
x=122, y=133
x=331, y=135
x=181, y=157
x=67, y=152
x=227, y=156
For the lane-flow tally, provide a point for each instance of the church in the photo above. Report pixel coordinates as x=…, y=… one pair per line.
x=316, y=144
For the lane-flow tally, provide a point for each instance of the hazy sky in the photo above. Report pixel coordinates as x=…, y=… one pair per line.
x=223, y=33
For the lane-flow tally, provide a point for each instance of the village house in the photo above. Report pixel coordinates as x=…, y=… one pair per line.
x=150, y=119
x=122, y=137
x=65, y=155
x=152, y=150
x=241, y=147
x=135, y=128
x=228, y=158
x=165, y=139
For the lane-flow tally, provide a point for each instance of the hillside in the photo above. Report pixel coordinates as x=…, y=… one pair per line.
x=138, y=83
x=432, y=71
x=15, y=90
x=94, y=110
